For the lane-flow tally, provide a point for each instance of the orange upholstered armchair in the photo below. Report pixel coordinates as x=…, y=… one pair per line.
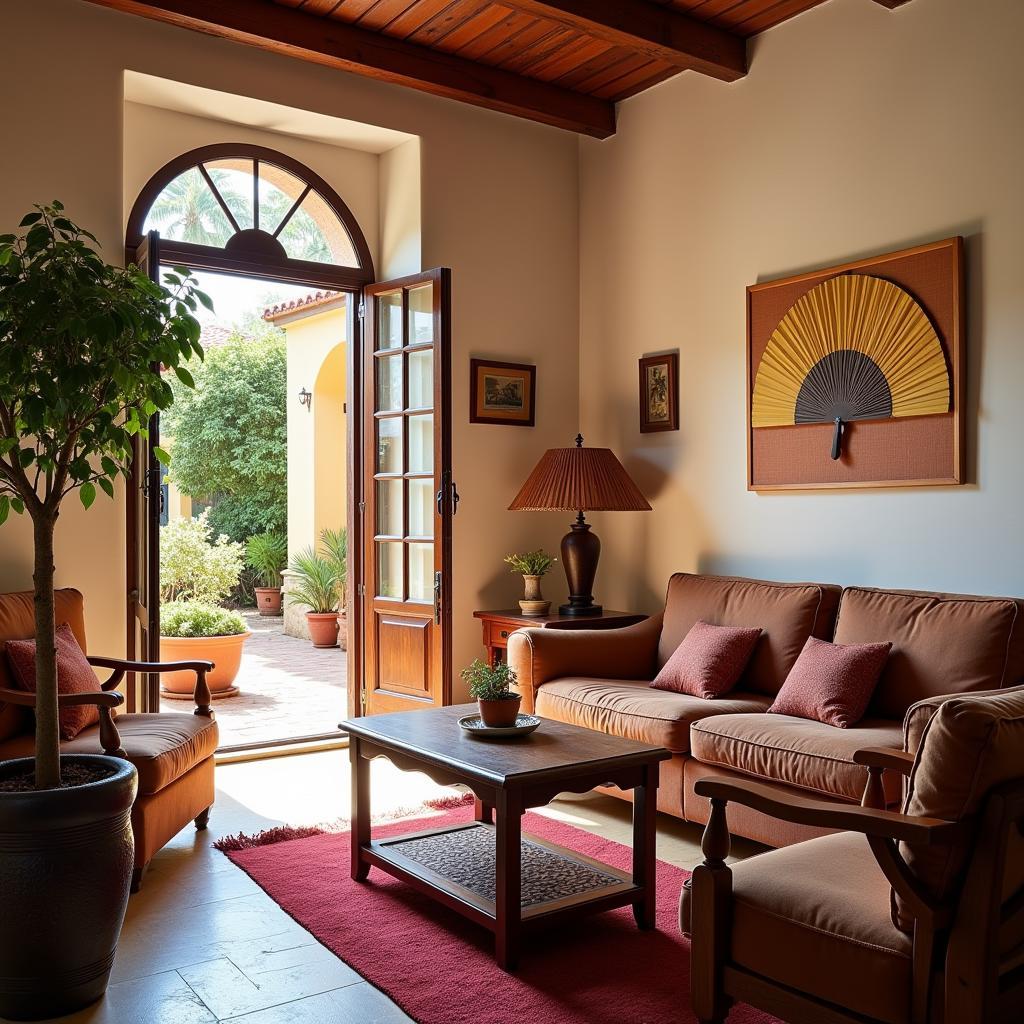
x=910, y=917
x=173, y=753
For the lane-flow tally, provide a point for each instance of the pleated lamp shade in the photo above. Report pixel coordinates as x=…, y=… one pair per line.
x=579, y=480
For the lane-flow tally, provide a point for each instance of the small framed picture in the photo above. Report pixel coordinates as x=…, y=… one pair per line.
x=659, y=393
x=502, y=393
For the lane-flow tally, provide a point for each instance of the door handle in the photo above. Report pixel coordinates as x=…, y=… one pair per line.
x=440, y=502
x=437, y=598
x=455, y=499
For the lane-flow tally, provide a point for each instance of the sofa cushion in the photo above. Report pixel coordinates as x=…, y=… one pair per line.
x=788, y=613
x=815, y=917
x=709, y=661
x=162, y=747
x=942, y=643
x=630, y=708
x=74, y=675
x=832, y=683
x=796, y=751
x=970, y=745
x=18, y=622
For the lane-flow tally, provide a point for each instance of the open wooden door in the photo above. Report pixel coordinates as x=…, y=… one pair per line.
x=408, y=496
x=143, y=535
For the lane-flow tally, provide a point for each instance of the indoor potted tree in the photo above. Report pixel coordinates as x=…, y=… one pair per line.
x=81, y=347
x=335, y=546
x=532, y=566
x=491, y=688
x=315, y=587
x=267, y=554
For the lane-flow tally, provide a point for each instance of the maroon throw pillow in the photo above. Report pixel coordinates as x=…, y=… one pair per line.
x=74, y=675
x=709, y=661
x=832, y=683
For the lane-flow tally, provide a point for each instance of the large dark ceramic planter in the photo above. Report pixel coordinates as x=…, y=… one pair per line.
x=66, y=865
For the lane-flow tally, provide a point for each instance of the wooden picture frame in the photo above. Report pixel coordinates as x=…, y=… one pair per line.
x=659, y=393
x=909, y=451
x=502, y=393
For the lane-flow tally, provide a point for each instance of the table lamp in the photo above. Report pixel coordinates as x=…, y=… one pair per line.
x=579, y=480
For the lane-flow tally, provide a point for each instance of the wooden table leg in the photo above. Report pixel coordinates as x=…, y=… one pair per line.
x=508, y=879
x=482, y=811
x=360, y=835
x=645, y=864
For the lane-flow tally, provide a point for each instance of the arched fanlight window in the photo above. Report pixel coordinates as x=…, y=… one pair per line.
x=253, y=211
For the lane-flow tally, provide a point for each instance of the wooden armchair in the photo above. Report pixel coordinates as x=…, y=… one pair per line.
x=173, y=752
x=901, y=918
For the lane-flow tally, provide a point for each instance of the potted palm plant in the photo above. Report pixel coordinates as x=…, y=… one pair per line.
x=531, y=566
x=491, y=688
x=81, y=347
x=267, y=554
x=335, y=546
x=315, y=587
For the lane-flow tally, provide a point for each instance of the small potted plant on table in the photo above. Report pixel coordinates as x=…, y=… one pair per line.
x=316, y=588
x=532, y=566
x=267, y=553
x=492, y=690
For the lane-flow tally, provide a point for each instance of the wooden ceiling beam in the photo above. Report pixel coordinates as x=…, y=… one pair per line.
x=661, y=33
x=327, y=41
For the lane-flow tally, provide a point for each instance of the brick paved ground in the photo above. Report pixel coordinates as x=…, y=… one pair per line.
x=288, y=688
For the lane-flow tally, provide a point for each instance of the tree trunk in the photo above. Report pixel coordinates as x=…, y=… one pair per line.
x=47, y=731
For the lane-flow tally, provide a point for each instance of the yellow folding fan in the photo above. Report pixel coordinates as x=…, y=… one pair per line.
x=853, y=348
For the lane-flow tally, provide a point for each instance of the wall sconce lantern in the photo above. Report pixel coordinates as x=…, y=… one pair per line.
x=306, y=399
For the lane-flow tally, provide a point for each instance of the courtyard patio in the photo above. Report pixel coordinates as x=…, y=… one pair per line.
x=288, y=688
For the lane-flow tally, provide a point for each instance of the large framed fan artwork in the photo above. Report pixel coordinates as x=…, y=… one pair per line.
x=855, y=374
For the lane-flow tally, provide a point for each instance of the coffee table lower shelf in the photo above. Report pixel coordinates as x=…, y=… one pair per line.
x=556, y=883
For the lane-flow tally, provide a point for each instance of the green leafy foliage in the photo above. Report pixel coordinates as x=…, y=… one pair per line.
x=81, y=343
x=334, y=544
x=230, y=433
x=486, y=683
x=194, y=619
x=532, y=563
x=193, y=565
x=316, y=582
x=267, y=553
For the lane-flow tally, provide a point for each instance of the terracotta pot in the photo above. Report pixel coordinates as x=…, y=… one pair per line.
x=499, y=714
x=343, y=631
x=533, y=602
x=269, y=600
x=66, y=862
x=323, y=628
x=224, y=651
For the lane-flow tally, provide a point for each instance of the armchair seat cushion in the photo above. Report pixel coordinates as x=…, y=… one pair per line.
x=631, y=708
x=162, y=747
x=797, y=751
x=815, y=916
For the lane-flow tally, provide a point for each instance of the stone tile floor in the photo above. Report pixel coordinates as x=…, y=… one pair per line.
x=288, y=687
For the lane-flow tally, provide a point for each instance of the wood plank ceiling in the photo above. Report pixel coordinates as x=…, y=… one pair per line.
x=560, y=62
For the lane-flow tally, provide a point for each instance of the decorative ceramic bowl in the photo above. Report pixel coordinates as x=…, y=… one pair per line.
x=474, y=725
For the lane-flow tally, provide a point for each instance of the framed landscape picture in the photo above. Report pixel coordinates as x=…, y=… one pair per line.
x=659, y=393
x=501, y=392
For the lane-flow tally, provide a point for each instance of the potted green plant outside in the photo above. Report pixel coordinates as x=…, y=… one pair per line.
x=315, y=587
x=491, y=688
x=532, y=566
x=81, y=346
x=335, y=546
x=191, y=631
x=267, y=554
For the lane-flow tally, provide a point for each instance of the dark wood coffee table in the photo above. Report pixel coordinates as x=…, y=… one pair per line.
x=533, y=882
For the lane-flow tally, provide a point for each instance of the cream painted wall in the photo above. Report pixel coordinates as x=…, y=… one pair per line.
x=859, y=130
x=153, y=136
x=499, y=206
x=401, y=214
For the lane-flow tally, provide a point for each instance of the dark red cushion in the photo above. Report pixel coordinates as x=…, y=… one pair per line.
x=832, y=683
x=709, y=661
x=74, y=675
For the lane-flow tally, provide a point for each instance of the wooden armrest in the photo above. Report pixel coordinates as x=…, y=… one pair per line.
x=119, y=666
x=97, y=697
x=886, y=758
x=824, y=814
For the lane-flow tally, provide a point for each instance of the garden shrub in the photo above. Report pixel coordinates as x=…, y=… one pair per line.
x=195, y=619
x=195, y=568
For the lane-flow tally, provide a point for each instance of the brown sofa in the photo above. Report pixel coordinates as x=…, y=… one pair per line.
x=942, y=644
x=173, y=753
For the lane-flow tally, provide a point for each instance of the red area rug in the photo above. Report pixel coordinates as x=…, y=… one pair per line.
x=439, y=967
